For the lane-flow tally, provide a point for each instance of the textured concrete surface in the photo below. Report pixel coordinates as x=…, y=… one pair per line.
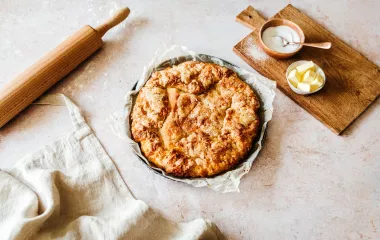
x=306, y=184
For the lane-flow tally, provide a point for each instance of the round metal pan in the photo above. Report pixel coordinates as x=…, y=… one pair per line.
x=201, y=58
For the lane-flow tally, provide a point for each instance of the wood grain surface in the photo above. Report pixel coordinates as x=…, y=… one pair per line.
x=352, y=81
x=250, y=18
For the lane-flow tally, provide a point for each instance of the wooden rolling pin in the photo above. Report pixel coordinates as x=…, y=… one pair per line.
x=33, y=82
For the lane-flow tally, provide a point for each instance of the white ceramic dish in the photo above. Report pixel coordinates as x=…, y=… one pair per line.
x=318, y=70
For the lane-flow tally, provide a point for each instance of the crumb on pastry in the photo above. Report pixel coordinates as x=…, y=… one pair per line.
x=195, y=119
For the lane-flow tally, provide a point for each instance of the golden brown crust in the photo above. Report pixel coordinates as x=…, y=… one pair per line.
x=195, y=119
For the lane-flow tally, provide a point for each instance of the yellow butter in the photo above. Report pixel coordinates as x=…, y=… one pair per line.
x=317, y=83
x=294, y=77
x=304, y=87
x=309, y=76
x=305, y=67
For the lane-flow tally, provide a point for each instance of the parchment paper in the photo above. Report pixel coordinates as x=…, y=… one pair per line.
x=264, y=88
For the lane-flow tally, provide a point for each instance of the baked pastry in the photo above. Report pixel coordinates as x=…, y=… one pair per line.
x=195, y=119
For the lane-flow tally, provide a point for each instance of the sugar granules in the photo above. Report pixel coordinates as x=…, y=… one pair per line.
x=253, y=50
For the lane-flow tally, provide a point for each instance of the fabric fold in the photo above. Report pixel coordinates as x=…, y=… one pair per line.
x=71, y=189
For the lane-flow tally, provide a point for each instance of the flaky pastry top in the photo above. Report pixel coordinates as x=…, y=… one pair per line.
x=195, y=119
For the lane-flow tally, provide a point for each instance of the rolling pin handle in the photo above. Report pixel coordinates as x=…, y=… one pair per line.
x=112, y=22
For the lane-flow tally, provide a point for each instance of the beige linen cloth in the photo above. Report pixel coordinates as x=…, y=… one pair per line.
x=72, y=190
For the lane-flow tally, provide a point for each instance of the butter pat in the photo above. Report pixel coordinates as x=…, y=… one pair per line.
x=305, y=67
x=317, y=83
x=306, y=78
x=294, y=77
x=304, y=87
x=309, y=76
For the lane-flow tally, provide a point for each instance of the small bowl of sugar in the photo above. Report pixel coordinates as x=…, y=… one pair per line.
x=273, y=31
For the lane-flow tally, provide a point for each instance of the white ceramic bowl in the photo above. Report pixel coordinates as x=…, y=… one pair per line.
x=318, y=70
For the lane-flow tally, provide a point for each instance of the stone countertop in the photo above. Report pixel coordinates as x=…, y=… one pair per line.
x=307, y=183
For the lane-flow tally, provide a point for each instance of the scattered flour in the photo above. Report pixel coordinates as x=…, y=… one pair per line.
x=91, y=98
x=105, y=84
x=253, y=50
x=113, y=7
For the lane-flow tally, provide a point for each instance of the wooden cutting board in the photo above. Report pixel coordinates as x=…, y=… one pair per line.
x=352, y=81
